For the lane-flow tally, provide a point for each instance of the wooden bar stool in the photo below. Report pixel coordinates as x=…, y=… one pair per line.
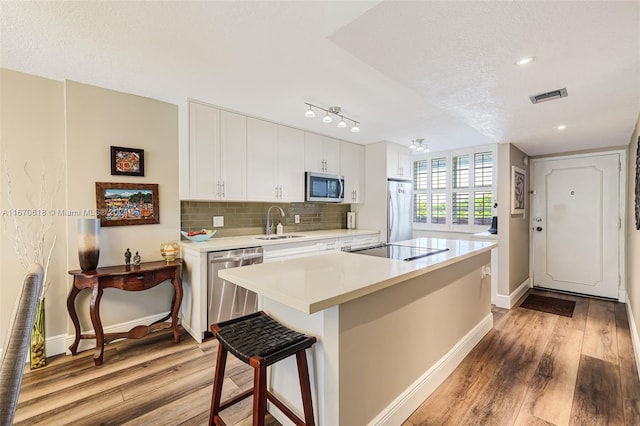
x=260, y=341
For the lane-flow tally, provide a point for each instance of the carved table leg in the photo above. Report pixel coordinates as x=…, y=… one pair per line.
x=177, y=300
x=71, y=308
x=94, y=310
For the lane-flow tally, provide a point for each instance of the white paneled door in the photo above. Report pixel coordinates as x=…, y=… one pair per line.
x=575, y=217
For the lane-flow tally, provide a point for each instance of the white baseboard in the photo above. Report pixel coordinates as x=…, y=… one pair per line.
x=57, y=345
x=509, y=301
x=86, y=344
x=407, y=402
x=635, y=338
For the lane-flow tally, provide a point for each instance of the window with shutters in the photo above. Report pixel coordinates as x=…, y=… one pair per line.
x=454, y=190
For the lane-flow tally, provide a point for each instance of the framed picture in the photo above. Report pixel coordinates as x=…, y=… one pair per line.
x=127, y=161
x=127, y=203
x=518, y=190
x=638, y=186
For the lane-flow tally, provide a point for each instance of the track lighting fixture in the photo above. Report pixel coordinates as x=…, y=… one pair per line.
x=335, y=110
x=419, y=145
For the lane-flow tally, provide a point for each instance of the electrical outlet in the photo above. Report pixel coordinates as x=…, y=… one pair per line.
x=296, y=218
x=218, y=221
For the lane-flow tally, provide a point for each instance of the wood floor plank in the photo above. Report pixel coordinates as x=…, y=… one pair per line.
x=450, y=402
x=597, y=399
x=600, y=332
x=629, y=381
x=507, y=387
x=550, y=392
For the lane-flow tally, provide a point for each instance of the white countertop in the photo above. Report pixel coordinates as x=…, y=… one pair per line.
x=230, y=243
x=311, y=284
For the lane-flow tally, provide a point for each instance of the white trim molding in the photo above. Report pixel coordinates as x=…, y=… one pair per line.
x=406, y=403
x=507, y=302
x=635, y=338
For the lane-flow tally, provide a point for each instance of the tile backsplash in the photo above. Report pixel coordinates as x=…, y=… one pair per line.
x=250, y=218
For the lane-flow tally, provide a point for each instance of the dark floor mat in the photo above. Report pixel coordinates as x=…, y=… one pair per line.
x=549, y=304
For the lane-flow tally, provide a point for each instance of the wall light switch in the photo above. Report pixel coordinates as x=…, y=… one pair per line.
x=218, y=221
x=296, y=218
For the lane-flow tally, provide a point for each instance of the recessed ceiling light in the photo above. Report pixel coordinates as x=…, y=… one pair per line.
x=561, y=127
x=524, y=61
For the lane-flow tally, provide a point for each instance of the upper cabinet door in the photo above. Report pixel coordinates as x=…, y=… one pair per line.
x=331, y=152
x=322, y=154
x=398, y=162
x=262, y=163
x=313, y=157
x=233, y=156
x=291, y=164
x=352, y=168
x=204, y=151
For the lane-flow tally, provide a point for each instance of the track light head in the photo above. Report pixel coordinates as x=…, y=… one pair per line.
x=309, y=113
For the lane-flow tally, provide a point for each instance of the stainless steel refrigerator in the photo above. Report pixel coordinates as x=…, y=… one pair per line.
x=399, y=225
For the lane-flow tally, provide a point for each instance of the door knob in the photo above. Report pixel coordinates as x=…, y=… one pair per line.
x=539, y=228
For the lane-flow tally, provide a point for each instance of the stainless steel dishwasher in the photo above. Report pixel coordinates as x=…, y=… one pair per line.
x=225, y=299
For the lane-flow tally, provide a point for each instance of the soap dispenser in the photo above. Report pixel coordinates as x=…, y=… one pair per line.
x=279, y=229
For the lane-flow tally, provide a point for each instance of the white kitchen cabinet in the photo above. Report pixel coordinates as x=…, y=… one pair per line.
x=275, y=162
x=262, y=160
x=233, y=156
x=291, y=164
x=322, y=154
x=398, y=162
x=217, y=154
x=204, y=151
x=352, y=168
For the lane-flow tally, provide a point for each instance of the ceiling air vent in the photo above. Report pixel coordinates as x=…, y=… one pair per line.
x=549, y=96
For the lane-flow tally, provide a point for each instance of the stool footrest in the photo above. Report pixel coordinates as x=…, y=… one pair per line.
x=234, y=400
x=294, y=418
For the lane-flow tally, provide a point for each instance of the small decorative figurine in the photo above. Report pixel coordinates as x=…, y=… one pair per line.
x=136, y=259
x=127, y=257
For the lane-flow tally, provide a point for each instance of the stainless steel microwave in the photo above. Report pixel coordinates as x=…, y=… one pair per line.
x=323, y=187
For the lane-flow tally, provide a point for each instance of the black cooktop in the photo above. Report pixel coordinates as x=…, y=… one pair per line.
x=394, y=251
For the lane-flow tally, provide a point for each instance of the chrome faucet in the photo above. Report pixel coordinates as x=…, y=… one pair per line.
x=269, y=223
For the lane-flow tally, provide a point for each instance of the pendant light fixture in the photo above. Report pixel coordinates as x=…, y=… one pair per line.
x=334, y=110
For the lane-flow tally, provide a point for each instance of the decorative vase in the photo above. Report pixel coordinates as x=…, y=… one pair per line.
x=38, y=353
x=169, y=251
x=88, y=243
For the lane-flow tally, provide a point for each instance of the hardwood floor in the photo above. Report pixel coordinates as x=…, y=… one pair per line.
x=536, y=368
x=151, y=381
x=533, y=368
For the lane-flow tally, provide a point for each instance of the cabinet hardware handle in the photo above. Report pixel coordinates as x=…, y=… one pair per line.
x=141, y=277
x=281, y=192
x=223, y=188
x=218, y=188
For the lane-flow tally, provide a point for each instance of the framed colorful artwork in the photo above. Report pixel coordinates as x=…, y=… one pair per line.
x=127, y=203
x=127, y=161
x=518, y=190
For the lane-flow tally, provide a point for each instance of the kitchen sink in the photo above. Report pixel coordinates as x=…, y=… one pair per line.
x=279, y=237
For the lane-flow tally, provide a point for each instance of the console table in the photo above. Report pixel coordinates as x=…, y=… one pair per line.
x=128, y=278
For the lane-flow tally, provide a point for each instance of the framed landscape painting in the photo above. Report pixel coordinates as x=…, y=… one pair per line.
x=127, y=203
x=127, y=161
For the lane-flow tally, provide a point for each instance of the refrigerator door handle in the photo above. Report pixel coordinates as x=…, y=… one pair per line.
x=390, y=217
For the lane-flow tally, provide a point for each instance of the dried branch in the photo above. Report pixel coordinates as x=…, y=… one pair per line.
x=29, y=245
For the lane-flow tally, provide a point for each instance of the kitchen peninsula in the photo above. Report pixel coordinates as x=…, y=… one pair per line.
x=389, y=331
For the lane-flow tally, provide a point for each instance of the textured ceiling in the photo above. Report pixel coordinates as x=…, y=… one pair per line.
x=443, y=71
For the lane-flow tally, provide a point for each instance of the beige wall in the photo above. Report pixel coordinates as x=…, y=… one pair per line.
x=513, y=230
x=633, y=236
x=96, y=119
x=35, y=113
x=32, y=139
x=404, y=330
